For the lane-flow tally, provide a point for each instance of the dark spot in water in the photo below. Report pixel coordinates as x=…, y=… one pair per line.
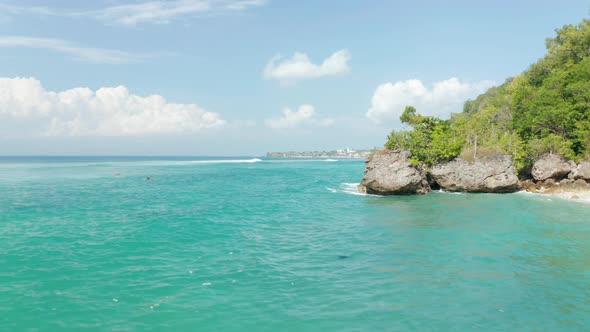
x=343, y=257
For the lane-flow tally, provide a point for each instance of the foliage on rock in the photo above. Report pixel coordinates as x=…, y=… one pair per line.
x=546, y=109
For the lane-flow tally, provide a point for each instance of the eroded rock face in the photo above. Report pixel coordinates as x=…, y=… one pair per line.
x=389, y=172
x=552, y=166
x=492, y=174
x=582, y=171
x=551, y=186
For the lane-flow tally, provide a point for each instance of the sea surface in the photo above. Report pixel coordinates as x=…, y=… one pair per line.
x=251, y=244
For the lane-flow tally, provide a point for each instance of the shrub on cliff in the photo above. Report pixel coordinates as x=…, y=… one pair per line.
x=430, y=140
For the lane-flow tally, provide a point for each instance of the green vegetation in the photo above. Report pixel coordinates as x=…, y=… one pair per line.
x=546, y=109
x=431, y=140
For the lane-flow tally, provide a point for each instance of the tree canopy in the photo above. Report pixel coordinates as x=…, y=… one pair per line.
x=545, y=109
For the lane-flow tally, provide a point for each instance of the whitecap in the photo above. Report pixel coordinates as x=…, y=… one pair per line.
x=330, y=160
x=571, y=196
x=223, y=161
x=352, y=189
x=451, y=192
x=332, y=190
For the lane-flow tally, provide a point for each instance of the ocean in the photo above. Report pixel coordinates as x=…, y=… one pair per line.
x=256, y=244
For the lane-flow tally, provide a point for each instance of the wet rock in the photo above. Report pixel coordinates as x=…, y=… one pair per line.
x=580, y=184
x=528, y=185
x=566, y=182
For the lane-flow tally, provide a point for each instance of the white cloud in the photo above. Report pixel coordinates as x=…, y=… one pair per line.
x=26, y=106
x=18, y=10
x=445, y=97
x=95, y=55
x=300, y=67
x=160, y=12
x=304, y=116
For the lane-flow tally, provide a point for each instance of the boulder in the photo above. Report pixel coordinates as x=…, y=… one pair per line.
x=490, y=174
x=388, y=172
x=528, y=185
x=580, y=184
x=582, y=171
x=552, y=166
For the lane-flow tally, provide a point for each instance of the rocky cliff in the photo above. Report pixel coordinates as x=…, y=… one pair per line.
x=389, y=172
x=552, y=166
x=552, y=174
x=492, y=174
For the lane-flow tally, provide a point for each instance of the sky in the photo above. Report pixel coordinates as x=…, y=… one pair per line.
x=244, y=77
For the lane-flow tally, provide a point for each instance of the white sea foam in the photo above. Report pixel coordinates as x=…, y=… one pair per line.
x=581, y=197
x=223, y=161
x=187, y=162
x=332, y=190
x=352, y=189
x=307, y=160
x=452, y=192
x=128, y=163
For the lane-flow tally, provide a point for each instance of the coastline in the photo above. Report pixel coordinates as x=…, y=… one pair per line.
x=582, y=196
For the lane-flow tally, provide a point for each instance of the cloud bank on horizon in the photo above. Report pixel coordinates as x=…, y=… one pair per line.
x=299, y=67
x=109, y=111
x=445, y=97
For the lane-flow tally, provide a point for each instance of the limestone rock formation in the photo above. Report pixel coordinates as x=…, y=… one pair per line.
x=552, y=166
x=389, y=172
x=491, y=174
x=582, y=171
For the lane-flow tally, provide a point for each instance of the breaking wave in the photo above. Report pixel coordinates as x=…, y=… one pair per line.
x=350, y=189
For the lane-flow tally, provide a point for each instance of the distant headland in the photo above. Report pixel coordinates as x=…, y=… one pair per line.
x=530, y=133
x=340, y=153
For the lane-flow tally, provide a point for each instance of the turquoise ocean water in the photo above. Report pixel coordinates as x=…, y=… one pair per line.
x=241, y=244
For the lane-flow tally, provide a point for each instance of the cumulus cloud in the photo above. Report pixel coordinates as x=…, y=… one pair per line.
x=300, y=67
x=160, y=12
x=26, y=105
x=445, y=97
x=304, y=116
x=88, y=54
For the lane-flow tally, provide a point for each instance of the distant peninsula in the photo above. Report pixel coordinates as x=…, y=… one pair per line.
x=336, y=154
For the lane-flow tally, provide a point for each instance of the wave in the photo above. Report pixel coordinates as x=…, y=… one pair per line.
x=350, y=189
x=222, y=161
x=303, y=160
x=451, y=192
x=134, y=163
x=580, y=197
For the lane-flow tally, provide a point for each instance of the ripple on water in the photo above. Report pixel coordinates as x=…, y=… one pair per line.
x=280, y=246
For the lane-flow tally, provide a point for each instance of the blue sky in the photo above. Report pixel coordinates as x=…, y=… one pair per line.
x=242, y=77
